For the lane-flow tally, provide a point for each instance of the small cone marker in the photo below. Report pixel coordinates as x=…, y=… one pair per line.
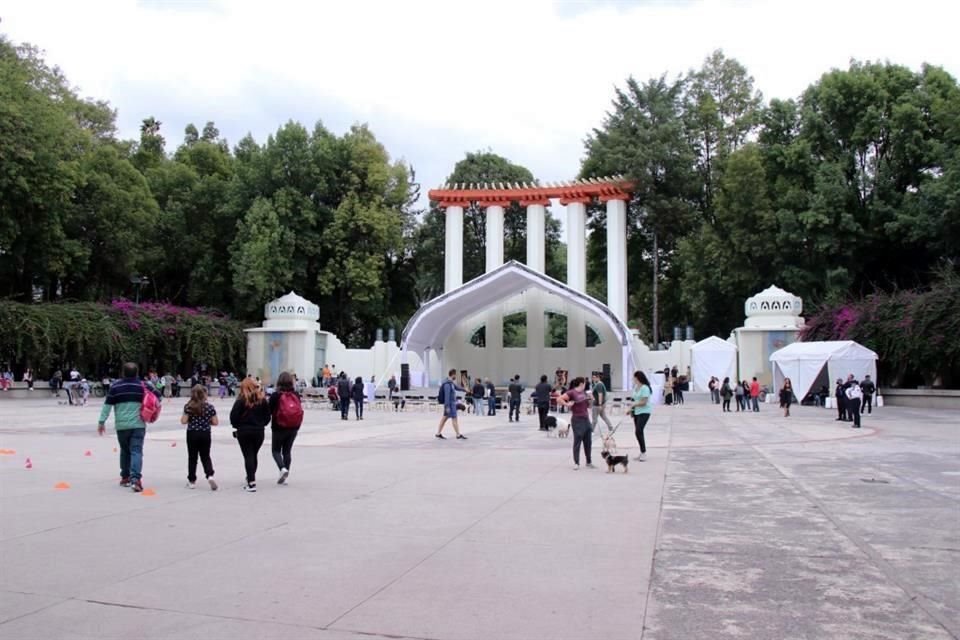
x=28, y=464
x=7, y=452
x=173, y=444
x=62, y=485
x=149, y=492
x=88, y=453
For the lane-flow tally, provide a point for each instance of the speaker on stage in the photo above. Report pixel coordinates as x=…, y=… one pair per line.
x=606, y=377
x=404, y=377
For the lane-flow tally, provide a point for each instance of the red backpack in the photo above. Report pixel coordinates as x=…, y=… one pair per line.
x=289, y=411
x=150, y=409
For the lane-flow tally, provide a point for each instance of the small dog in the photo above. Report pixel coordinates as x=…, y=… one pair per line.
x=613, y=461
x=563, y=428
x=550, y=422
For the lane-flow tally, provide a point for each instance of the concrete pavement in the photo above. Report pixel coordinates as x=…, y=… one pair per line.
x=737, y=525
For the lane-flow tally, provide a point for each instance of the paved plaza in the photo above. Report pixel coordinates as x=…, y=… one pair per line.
x=737, y=526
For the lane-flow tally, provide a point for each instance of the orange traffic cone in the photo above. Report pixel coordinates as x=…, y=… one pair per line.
x=148, y=492
x=88, y=453
x=62, y=485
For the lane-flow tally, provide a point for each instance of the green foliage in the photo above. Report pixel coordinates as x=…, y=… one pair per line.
x=916, y=333
x=92, y=336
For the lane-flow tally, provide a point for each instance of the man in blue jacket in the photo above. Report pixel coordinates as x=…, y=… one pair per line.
x=125, y=397
x=448, y=389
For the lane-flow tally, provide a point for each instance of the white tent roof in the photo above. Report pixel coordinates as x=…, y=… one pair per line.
x=843, y=349
x=713, y=343
x=803, y=362
x=435, y=321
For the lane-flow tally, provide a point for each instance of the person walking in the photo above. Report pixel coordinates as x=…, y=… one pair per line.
x=448, y=398
x=839, y=393
x=477, y=393
x=343, y=393
x=358, y=394
x=125, y=398
x=853, y=395
x=755, y=394
x=641, y=409
x=199, y=415
x=579, y=403
x=786, y=397
x=542, y=398
x=738, y=394
x=491, y=398
x=714, y=391
x=516, y=397
x=677, y=390
x=286, y=416
x=867, y=387
x=249, y=416
x=599, y=408
x=726, y=393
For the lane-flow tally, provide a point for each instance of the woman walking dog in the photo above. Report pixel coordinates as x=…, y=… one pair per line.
x=579, y=403
x=642, y=410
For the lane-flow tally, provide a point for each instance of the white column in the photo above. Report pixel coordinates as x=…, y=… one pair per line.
x=494, y=237
x=617, y=258
x=577, y=246
x=453, y=249
x=536, y=238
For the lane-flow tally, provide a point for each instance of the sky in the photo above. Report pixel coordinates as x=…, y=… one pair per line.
x=527, y=79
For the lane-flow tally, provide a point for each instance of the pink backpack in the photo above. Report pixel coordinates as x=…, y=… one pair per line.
x=150, y=409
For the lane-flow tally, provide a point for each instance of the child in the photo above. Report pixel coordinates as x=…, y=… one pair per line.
x=199, y=415
x=84, y=392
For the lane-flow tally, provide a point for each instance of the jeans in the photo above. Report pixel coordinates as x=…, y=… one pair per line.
x=740, y=404
x=358, y=408
x=281, y=444
x=639, y=423
x=542, y=415
x=582, y=434
x=198, y=444
x=344, y=408
x=478, y=405
x=715, y=396
x=600, y=412
x=250, y=442
x=131, y=452
x=756, y=402
x=492, y=406
x=514, y=408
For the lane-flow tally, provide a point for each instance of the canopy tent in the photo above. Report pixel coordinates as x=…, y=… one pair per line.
x=433, y=323
x=803, y=362
x=712, y=357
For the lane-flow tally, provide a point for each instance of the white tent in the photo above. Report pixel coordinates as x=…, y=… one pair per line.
x=712, y=357
x=803, y=362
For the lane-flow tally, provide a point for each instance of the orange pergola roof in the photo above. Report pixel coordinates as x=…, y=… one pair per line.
x=504, y=194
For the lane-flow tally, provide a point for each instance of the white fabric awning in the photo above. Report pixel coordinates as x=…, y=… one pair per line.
x=803, y=361
x=712, y=356
x=435, y=321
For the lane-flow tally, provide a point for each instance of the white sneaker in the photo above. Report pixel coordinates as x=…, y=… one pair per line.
x=213, y=484
x=191, y=485
x=576, y=467
x=641, y=457
x=283, y=476
x=250, y=488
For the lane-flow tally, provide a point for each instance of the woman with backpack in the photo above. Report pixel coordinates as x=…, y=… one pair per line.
x=357, y=393
x=287, y=414
x=249, y=416
x=199, y=415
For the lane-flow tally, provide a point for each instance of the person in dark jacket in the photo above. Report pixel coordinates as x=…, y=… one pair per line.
x=841, y=396
x=542, y=395
x=358, y=394
x=868, y=388
x=477, y=393
x=491, y=398
x=282, y=437
x=516, y=397
x=343, y=392
x=249, y=416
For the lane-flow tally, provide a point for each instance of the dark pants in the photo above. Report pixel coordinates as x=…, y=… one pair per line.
x=726, y=403
x=542, y=415
x=514, y=408
x=853, y=411
x=281, y=444
x=639, y=423
x=582, y=434
x=841, y=408
x=198, y=444
x=250, y=442
x=131, y=452
x=740, y=405
x=344, y=408
x=868, y=402
x=358, y=408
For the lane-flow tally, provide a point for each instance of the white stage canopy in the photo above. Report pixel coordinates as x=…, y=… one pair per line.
x=435, y=321
x=802, y=362
x=712, y=357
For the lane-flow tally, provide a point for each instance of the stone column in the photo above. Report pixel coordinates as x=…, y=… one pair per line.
x=617, y=257
x=536, y=236
x=453, y=249
x=577, y=246
x=494, y=237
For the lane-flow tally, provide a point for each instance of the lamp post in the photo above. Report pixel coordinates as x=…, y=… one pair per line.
x=139, y=281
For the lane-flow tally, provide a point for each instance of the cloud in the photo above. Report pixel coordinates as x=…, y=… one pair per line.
x=528, y=80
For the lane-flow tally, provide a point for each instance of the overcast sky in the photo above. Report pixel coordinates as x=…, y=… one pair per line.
x=527, y=79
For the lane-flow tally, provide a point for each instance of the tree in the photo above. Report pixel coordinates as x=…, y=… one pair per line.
x=260, y=270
